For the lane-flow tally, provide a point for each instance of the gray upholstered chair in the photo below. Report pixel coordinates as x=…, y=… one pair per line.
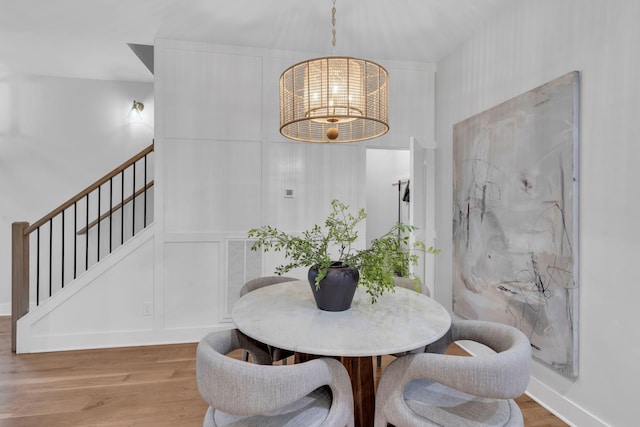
x=314, y=393
x=277, y=354
x=261, y=282
x=430, y=389
x=414, y=284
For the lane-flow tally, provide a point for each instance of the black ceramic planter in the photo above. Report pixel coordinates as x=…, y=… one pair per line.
x=336, y=289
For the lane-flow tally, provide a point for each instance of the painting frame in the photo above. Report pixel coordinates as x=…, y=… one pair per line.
x=515, y=218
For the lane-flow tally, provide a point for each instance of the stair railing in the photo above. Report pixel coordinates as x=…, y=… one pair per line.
x=79, y=233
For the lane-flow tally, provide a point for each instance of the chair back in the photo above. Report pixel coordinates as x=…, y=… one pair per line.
x=424, y=389
x=503, y=375
x=261, y=282
x=415, y=284
x=246, y=389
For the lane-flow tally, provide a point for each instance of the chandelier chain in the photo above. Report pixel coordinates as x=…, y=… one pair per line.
x=333, y=24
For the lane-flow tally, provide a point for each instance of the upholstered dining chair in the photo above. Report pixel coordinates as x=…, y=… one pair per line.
x=414, y=284
x=431, y=389
x=261, y=282
x=276, y=354
x=313, y=393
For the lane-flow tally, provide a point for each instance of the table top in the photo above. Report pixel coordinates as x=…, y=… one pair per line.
x=285, y=315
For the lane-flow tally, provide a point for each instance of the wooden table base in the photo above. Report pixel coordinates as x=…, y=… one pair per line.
x=360, y=371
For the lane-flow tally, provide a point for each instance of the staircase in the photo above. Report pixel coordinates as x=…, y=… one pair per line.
x=53, y=251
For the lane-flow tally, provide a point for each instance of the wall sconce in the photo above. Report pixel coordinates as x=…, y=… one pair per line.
x=135, y=114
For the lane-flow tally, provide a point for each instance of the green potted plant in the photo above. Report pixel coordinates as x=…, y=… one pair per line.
x=331, y=255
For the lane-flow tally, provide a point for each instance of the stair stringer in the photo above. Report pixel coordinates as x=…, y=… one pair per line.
x=109, y=305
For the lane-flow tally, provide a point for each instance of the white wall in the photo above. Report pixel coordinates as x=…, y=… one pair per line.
x=526, y=46
x=57, y=136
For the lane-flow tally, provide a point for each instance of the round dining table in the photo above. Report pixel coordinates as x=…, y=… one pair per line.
x=285, y=315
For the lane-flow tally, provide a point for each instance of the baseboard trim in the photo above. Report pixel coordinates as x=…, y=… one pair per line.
x=114, y=339
x=561, y=407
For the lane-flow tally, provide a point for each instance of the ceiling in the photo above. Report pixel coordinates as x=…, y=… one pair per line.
x=88, y=38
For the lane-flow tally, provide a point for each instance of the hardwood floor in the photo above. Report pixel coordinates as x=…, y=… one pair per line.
x=136, y=386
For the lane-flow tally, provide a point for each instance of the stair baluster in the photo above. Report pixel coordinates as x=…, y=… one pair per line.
x=22, y=233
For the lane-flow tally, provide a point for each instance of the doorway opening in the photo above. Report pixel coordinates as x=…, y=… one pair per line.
x=388, y=190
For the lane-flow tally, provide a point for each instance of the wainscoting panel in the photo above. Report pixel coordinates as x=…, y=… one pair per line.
x=191, y=278
x=243, y=265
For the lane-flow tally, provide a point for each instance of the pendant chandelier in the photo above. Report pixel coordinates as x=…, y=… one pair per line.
x=334, y=99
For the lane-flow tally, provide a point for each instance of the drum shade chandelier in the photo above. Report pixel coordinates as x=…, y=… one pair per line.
x=334, y=99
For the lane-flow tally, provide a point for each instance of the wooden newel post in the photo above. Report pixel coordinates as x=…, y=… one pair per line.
x=19, y=276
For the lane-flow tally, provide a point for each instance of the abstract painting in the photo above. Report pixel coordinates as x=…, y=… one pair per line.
x=515, y=218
